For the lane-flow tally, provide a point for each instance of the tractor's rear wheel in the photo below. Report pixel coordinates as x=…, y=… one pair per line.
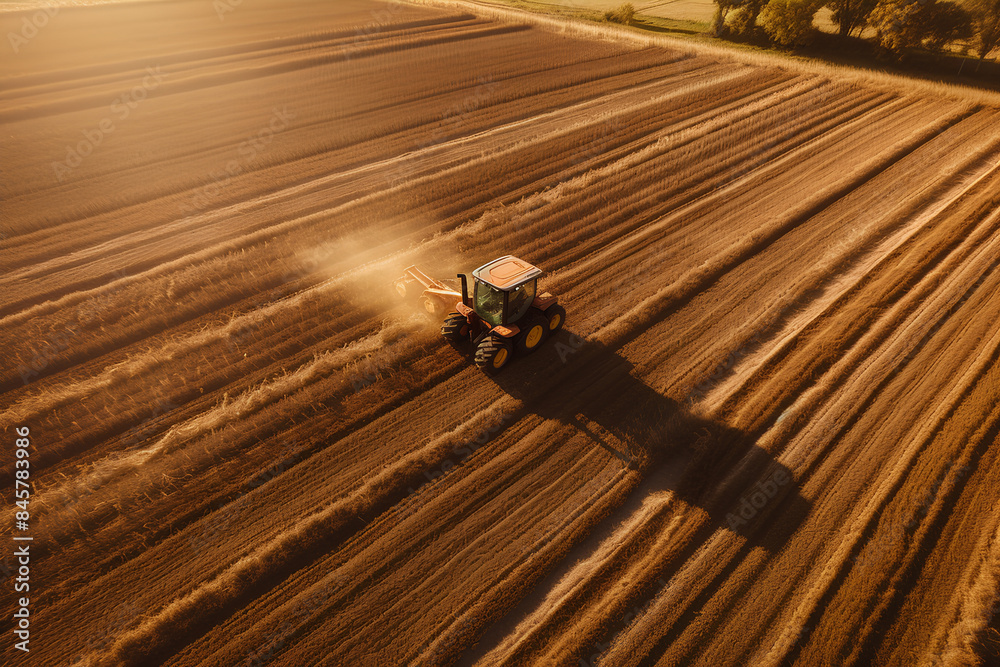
x=556, y=315
x=455, y=327
x=534, y=330
x=492, y=355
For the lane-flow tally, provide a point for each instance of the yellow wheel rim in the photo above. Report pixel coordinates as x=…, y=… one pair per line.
x=501, y=358
x=534, y=336
x=429, y=306
x=554, y=322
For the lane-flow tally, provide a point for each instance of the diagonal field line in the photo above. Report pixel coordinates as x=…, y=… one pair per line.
x=101, y=250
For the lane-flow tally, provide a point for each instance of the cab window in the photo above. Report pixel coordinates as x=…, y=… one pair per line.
x=520, y=300
x=489, y=303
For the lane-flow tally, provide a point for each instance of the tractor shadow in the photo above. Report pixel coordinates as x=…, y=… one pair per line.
x=584, y=384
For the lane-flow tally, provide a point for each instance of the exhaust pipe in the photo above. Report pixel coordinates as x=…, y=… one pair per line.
x=465, y=289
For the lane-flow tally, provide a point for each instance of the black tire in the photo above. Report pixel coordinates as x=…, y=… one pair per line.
x=534, y=330
x=493, y=354
x=556, y=316
x=455, y=327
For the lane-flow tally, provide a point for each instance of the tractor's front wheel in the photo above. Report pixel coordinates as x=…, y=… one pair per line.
x=533, y=333
x=455, y=327
x=492, y=355
x=556, y=315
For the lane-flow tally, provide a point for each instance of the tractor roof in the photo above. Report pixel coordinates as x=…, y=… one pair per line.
x=507, y=272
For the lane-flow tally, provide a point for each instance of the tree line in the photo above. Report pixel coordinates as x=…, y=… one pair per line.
x=898, y=26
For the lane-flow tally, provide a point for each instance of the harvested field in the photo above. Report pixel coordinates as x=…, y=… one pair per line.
x=769, y=433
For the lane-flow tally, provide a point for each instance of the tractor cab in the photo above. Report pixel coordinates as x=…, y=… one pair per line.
x=503, y=315
x=504, y=290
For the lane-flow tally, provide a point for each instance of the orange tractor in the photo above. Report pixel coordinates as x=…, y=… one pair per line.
x=503, y=315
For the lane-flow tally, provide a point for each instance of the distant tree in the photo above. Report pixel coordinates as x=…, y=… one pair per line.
x=622, y=15
x=901, y=25
x=985, y=16
x=897, y=24
x=722, y=8
x=743, y=19
x=850, y=15
x=944, y=22
x=790, y=22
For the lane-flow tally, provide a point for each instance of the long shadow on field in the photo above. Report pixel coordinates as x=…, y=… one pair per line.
x=591, y=387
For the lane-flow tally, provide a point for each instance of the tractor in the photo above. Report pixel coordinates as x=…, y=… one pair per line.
x=504, y=315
